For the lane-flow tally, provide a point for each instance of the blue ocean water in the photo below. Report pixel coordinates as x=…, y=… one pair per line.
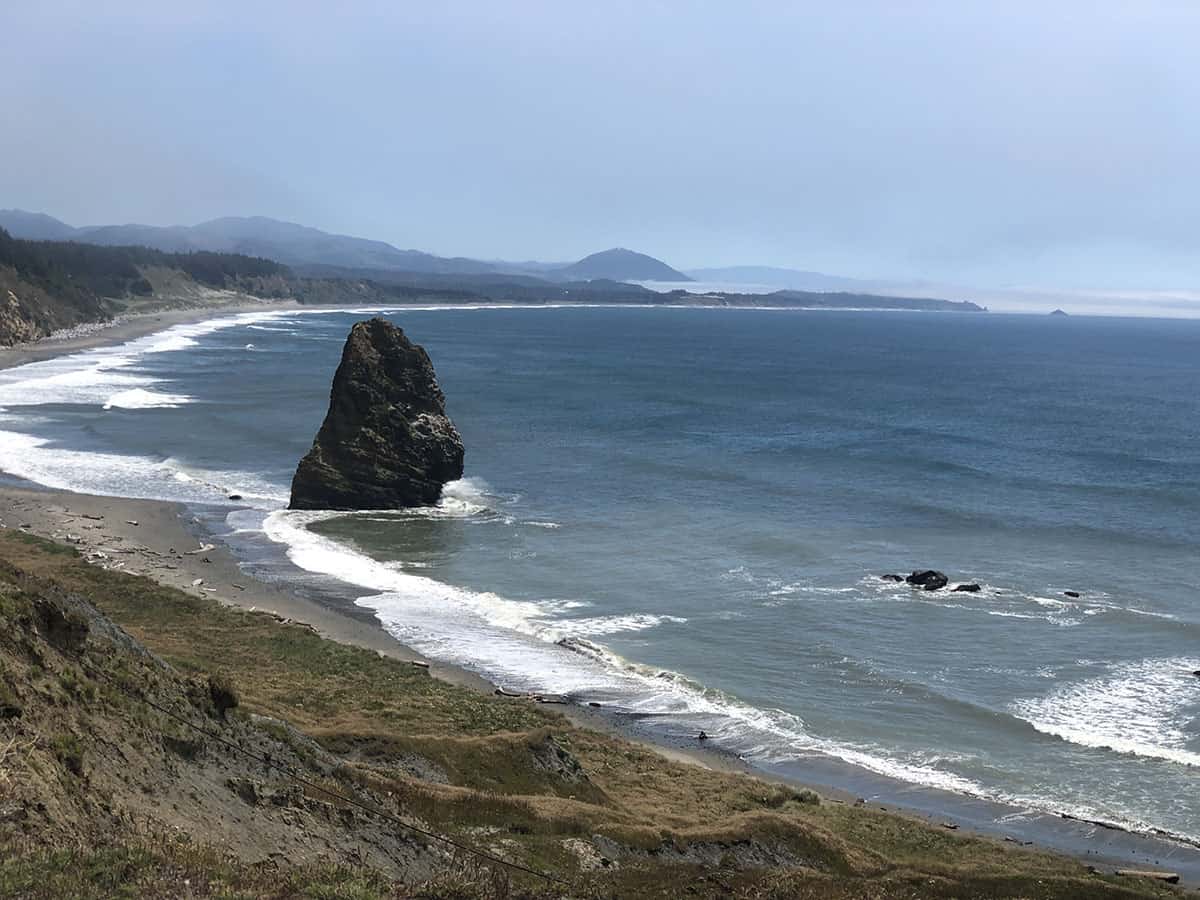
x=682, y=514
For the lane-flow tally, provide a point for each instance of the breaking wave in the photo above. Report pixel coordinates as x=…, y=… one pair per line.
x=1141, y=708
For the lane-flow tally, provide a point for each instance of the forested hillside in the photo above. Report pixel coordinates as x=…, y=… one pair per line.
x=50, y=285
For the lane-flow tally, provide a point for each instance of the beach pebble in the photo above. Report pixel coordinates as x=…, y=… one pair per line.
x=197, y=582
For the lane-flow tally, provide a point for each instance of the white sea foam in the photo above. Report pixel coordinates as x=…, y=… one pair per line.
x=1142, y=708
x=98, y=376
x=140, y=398
x=119, y=475
x=527, y=645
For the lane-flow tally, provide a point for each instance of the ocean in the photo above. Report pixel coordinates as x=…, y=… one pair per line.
x=683, y=515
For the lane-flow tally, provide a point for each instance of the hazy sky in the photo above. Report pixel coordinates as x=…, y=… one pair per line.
x=990, y=142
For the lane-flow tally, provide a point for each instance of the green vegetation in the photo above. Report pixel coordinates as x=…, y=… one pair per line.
x=88, y=271
x=503, y=775
x=50, y=285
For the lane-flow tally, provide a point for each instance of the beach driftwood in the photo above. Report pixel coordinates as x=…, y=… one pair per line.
x=1168, y=877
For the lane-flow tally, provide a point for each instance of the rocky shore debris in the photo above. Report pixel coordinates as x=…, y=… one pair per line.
x=386, y=442
x=928, y=579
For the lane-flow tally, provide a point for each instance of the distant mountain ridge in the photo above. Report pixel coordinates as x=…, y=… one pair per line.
x=284, y=242
x=301, y=246
x=82, y=275
x=620, y=264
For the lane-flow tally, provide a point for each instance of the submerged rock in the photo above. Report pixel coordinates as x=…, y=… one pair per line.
x=892, y=577
x=971, y=588
x=929, y=579
x=386, y=442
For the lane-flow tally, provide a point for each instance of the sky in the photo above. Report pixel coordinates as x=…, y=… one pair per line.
x=990, y=143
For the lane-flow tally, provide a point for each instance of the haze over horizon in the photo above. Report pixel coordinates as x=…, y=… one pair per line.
x=994, y=145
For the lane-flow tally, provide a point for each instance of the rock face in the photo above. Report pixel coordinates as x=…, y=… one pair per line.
x=386, y=442
x=929, y=579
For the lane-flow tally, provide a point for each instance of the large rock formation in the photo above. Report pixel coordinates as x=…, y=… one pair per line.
x=386, y=442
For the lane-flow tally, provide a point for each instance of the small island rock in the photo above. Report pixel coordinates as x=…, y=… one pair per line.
x=929, y=579
x=386, y=442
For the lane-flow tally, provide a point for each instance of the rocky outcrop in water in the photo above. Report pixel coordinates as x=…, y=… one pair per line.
x=930, y=580
x=386, y=441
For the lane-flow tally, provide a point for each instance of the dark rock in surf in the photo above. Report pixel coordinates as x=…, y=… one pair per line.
x=892, y=577
x=929, y=579
x=386, y=442
x=971, y=588
x=1072, y=594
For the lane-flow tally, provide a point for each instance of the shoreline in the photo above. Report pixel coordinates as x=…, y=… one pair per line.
x=165, y=541
x=127, y=328
x=161, y=540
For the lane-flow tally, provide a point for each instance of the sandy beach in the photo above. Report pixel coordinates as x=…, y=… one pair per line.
x=127, y=328
x=166, y=542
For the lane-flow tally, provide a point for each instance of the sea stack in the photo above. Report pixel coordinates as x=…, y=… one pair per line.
x=386, y=442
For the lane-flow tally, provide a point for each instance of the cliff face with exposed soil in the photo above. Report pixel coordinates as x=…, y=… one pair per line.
x=386, y=442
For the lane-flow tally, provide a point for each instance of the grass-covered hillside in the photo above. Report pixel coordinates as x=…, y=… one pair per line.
x=154, y=743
